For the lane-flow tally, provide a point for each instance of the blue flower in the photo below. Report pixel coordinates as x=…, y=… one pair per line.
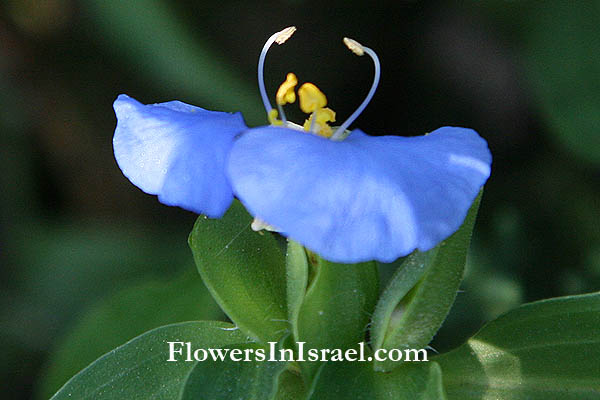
x=348, y=196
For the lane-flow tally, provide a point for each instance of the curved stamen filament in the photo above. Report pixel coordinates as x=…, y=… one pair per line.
x=359, y=50
x=279, y=38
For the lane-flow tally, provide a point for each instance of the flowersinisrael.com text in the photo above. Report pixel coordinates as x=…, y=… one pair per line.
x=183, y=351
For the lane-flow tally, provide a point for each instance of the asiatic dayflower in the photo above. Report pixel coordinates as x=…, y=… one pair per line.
x=343, y=194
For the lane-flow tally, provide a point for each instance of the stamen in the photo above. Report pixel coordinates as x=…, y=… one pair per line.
x=359, y=50
x=313, y=118
x=282, y=114
x=311, y=98
x=285, y=94
x=272, y=116
x=279, y=38
x=354, y=46
x=318, y=122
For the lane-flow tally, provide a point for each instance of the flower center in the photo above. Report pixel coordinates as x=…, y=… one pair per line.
x=312, y=100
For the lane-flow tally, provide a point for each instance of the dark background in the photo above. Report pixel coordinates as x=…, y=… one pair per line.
x=74, y=233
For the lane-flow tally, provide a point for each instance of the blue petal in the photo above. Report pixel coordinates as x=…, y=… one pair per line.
x=177, y=151
x=363, y=198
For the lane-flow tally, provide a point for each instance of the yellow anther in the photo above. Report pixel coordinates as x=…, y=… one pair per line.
x=273, y=118
x=323, y=116
x=311, y=98
x=285, y=93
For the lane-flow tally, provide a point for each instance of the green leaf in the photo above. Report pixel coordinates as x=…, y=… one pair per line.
x=297, y=280
x=290, y=386
x=404, y=279
x=358, y=381
x=123, y=316
x=407, y=316
x=234, y=379
x=337, y=306
x=549, y=349
x=244, y=271
x=139, y=369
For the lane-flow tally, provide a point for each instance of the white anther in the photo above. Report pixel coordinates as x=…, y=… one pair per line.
x=285, y=34
x=354, y=46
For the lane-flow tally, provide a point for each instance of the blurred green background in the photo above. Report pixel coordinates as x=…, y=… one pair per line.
x=88, y=261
